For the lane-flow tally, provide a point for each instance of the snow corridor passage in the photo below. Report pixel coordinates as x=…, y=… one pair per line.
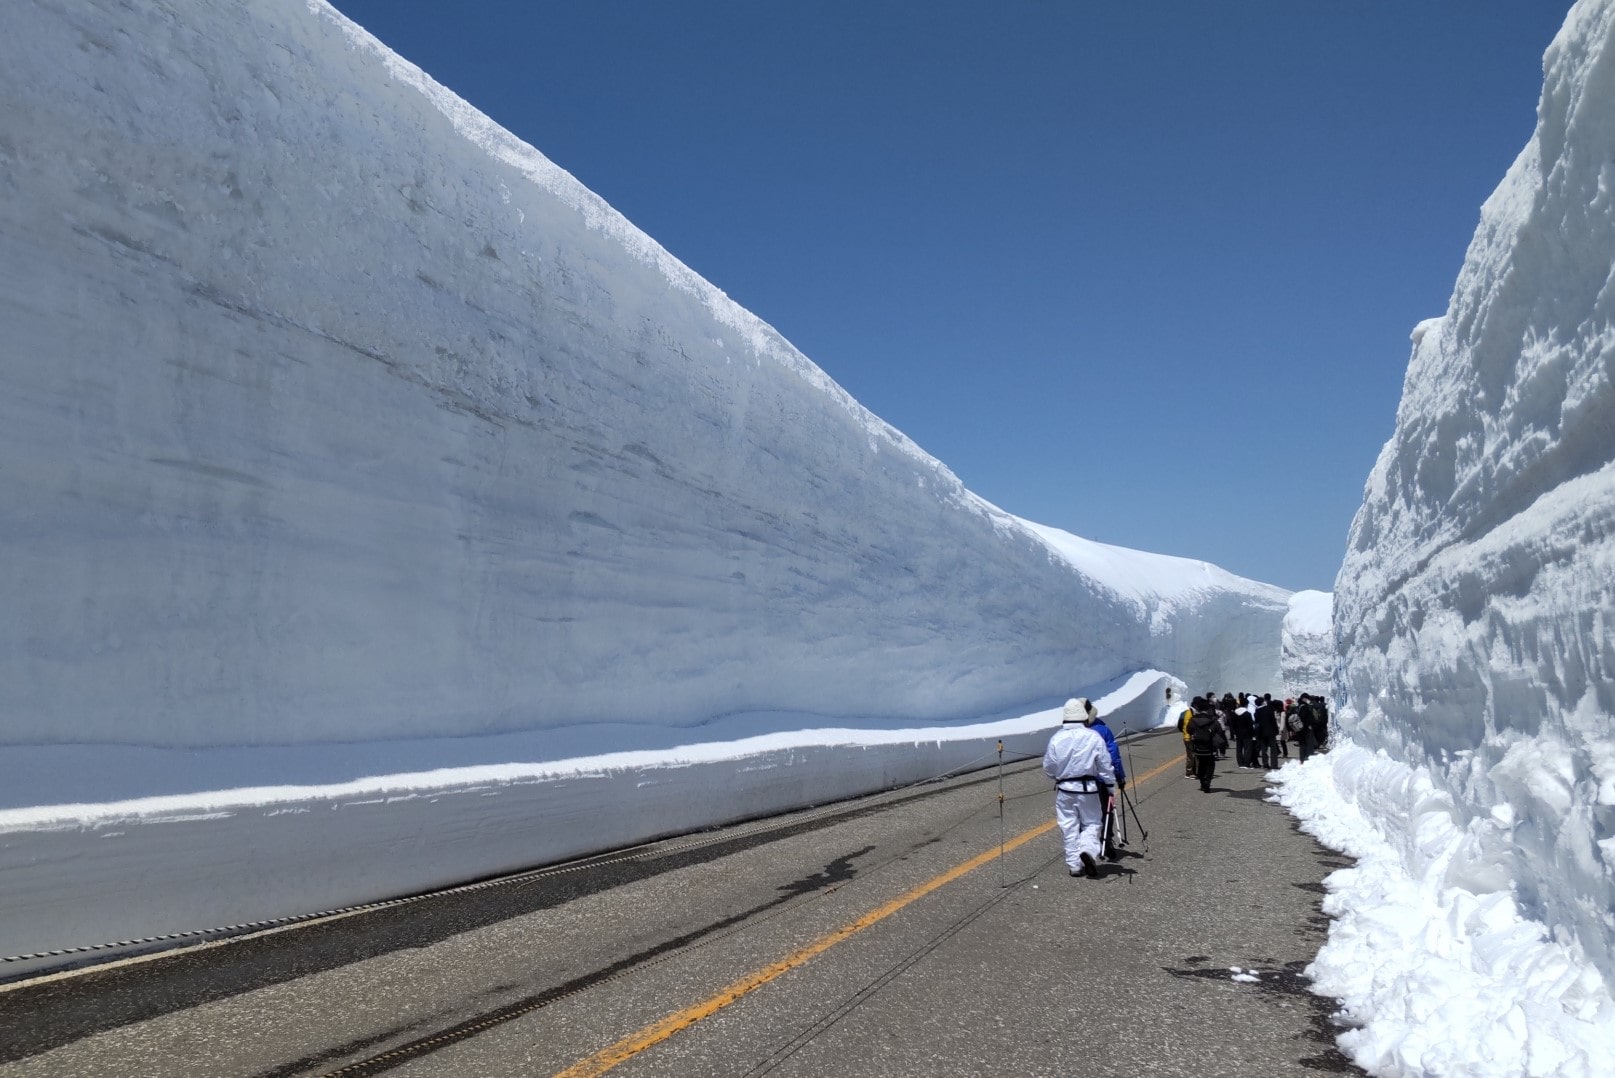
x=881, y=936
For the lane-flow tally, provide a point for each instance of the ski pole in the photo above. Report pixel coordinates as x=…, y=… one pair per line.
x=1123, y=792
x=1128, y=801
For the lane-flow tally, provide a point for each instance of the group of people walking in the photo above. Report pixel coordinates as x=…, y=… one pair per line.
x=1259, y=728
x=1085, y=762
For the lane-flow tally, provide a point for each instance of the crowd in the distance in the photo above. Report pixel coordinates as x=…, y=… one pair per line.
x=1083, y=760
x=1259, y=729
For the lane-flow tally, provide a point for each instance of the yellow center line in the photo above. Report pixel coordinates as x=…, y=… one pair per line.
x=653, y=1034
x=1150, y=774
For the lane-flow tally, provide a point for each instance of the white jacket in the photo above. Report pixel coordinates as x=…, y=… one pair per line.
x=1076, y=751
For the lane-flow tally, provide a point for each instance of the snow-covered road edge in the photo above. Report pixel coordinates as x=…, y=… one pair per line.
x=1425, y=923
x=81, y=875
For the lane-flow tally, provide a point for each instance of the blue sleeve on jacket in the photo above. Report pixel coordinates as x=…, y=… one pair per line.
x=1115, y=752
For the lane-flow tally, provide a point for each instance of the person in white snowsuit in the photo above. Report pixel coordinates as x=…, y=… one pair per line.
x=1078, y=760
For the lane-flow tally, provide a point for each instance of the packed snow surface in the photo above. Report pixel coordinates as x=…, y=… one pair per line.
x=1474, y=617
x=1438, y=967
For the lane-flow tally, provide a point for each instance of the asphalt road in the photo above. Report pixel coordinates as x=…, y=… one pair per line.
x=884, y=937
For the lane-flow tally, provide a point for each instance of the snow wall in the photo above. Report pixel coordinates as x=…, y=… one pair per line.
x=344, y=437
x=1475, y=608
x=1307, y=646
x=333, y=412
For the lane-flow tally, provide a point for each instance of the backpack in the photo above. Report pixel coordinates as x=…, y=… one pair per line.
x=1292, y=722
x=1203, y=734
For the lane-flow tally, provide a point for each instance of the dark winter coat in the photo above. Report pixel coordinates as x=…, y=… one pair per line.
x=1242, y=724
x=1318, y=721
x=1205, y=734
x=1267, y=722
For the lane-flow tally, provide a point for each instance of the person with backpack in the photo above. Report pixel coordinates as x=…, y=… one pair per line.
x=1225, y=715
x=1107, y=796
x=1183, y=728
x=1079, y=763
x=1207, y=740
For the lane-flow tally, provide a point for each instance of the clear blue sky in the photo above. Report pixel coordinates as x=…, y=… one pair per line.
x=1145, y=273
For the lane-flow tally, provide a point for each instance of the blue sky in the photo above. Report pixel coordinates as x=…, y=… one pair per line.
x=1142, y=272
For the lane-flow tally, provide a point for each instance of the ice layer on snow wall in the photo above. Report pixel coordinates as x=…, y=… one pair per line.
x=1474, y=608
x=332, y=411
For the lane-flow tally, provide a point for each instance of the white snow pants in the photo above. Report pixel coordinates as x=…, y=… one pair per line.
x=1079, y=816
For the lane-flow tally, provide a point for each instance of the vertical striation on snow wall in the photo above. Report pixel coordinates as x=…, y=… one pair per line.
x=1474, y=609
x=333, y=412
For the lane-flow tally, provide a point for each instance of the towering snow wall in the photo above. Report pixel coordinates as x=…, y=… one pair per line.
x=1307, y=648
x=332, y=412
x=1214, y=629
x=1476, y=606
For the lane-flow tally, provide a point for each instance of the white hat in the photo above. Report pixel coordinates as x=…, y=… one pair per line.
x=1080, y=709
